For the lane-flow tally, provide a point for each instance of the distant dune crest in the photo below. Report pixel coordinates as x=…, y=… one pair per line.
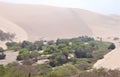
x=46, y=22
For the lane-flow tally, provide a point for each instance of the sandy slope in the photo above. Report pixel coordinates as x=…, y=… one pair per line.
x=8, y=26
x=45, y=22
x=49, y=22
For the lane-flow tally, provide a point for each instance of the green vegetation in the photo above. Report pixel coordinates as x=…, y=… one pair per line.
x=112, y=46
x=67, y=57
x=15, y=70
x=61, y=49
x=58, y=59
x=28, y=57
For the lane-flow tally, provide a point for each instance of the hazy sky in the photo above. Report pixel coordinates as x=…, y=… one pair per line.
x=101, y=6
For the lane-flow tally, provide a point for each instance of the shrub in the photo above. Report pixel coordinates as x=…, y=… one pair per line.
x=83, y=53
x=2, y=55
x=112, y=46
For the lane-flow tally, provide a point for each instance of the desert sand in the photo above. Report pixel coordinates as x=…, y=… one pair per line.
x=8, y=26
x=36, y=22
x=48, y=22
x=10, y=57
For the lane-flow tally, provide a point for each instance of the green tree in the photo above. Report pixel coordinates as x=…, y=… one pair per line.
x=39, y=45
x=26, y=44
x=83, y=53
x=112, y=46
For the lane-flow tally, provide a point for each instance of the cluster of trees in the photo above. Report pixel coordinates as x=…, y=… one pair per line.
x=58, y=59
x=6, y=36
x=51, y=49
x=38, y=45
x=28, y=57
x=85, y=52
x=28, y=51
x=81, y=47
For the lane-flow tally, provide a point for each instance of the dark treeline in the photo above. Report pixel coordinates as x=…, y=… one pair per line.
x=6, y=36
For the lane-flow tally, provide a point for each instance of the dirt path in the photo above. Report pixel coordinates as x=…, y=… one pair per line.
x=10, y=57
x=111, y=60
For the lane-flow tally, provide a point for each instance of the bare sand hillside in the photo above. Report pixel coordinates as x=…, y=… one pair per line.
x=45, y=21
x=49, y=22
x=8, y=26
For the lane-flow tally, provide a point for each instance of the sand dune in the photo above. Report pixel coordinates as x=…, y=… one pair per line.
x=49, y=22
x=46, y=22
x=8, y=26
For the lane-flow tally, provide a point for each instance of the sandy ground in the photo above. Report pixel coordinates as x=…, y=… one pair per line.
x=111, y=60
x=10, y=57
x=42, y=61
x=2, y=44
